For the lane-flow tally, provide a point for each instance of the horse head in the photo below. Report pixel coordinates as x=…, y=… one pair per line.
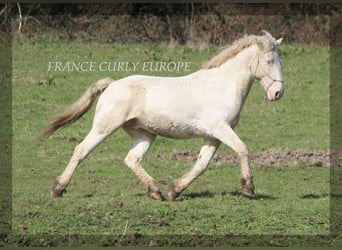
x=267, y=66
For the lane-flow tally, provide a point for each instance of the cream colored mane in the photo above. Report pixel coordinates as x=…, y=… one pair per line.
x=265, y=42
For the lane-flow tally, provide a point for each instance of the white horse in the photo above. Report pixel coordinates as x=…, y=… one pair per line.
x=206, y=103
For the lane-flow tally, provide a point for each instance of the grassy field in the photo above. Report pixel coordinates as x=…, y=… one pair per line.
x=105, y=203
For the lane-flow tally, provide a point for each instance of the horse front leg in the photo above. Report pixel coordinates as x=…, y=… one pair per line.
x=141, y=142
x=227, y=135
x=207, y=152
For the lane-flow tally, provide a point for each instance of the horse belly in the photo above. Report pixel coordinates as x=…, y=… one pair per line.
x=176, y=130
x=163, y=126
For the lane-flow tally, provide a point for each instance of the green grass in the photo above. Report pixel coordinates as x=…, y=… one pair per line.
x=207, y=208
x=105, y=198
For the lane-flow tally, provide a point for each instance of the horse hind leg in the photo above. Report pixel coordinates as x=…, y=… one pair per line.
x=141, y=142
x=81, y=151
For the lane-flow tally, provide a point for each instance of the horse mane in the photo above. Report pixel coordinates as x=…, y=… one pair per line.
x=265, y=42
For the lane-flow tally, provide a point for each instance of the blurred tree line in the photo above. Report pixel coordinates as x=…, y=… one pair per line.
x=193, y=24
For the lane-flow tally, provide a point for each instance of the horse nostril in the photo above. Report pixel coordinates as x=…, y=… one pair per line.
x=277, y=95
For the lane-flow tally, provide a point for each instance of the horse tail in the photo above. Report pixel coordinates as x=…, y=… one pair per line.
x=76, y=110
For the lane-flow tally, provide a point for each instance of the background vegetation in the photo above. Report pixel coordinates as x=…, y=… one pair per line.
x=191, y=24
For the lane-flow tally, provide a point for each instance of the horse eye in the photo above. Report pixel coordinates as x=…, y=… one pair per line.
x=270, y=62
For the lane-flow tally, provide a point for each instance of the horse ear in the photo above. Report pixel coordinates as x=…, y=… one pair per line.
x=260, y=44
x=265, y=32
x=278, y=42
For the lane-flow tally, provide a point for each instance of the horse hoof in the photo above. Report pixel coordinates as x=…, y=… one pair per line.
x=157, y=195
x=57, y=193
x=248, y=192
x=248, y=187
x=173, y=194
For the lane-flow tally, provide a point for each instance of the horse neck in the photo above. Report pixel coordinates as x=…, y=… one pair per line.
x=238, y=69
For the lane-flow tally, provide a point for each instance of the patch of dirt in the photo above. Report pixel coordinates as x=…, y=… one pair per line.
x=271, y=157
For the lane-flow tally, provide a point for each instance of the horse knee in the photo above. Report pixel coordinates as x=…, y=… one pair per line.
x=131, y=161
x=243, y=151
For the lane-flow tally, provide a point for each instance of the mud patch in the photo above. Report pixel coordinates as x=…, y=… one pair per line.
x=271, y=157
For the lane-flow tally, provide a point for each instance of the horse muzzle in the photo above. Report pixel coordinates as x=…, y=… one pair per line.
x=275, y=91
